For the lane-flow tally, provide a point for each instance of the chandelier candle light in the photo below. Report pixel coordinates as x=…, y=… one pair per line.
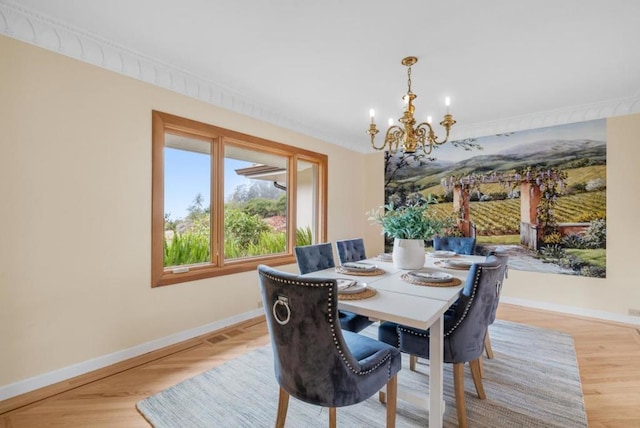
x=410, y=137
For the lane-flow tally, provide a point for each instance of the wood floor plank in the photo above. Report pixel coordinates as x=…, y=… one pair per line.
x=607, y=356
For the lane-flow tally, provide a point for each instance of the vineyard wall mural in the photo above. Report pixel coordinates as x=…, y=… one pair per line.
x=538, y=194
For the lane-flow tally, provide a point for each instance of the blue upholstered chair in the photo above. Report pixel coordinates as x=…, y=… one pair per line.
x=312, y=258
x=464, y=330
x=316, y=361
x=315, y=257
x=461, y=245
x=351, y=250
x=504, y=262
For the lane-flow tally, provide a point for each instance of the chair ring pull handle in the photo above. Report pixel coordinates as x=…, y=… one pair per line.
x=275, y=315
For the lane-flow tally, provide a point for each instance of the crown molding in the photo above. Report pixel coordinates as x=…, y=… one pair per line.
x=581, y=113
x=28, y=26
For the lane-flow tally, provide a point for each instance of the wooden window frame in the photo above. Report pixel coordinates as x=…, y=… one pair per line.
x=165, y=122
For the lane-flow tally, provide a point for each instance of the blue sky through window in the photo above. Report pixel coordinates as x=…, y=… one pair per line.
x=188, y=173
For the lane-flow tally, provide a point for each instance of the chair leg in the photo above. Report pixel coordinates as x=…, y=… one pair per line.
x=382, y=397
x=477, y=378
x=283, y=405
x=481, y=365
x=332, y=417
x=487, y=345
x=392, y=390
x=458, y=386
x=412, y=362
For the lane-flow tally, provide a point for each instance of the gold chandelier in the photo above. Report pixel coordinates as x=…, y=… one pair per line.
x=409, y=136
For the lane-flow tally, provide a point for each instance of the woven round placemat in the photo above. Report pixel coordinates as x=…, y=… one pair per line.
x=374, y=272
x=454, y=281
x=446, y=266
x=368, y=292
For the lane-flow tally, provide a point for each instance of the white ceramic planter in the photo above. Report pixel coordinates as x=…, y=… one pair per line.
x=408, y=253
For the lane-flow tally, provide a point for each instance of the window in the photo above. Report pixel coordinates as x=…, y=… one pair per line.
x=224, y=202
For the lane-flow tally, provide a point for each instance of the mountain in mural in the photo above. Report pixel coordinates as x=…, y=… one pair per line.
x=551, y=153
x=547, y=153
x=559, y=150
x=411, y=168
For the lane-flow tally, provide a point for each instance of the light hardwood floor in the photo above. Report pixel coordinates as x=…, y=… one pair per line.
x=608, y=356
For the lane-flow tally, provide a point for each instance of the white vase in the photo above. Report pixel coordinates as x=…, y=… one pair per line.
x=408, y=253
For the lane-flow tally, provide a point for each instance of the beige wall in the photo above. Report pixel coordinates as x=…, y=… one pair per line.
x=75, y=186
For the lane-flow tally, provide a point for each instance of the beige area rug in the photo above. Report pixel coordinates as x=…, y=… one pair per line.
x=533, y=381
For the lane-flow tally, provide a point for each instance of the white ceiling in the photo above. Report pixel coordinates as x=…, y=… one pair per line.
x=319, y=66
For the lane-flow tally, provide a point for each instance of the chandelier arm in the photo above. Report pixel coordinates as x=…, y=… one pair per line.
x=424, y=135
x=372, y=133
x=432, y=135
x=393, y=137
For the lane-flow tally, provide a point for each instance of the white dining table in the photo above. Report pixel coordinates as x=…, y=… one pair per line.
x=416, y=306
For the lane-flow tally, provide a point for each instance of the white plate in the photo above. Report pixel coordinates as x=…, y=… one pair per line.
x=459, y=263
x=443, y=254
x=348, y=286
x=359, y=266
x=385, y=257
x=431, y=276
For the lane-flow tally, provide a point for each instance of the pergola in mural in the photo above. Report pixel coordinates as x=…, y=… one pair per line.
x=538, y=192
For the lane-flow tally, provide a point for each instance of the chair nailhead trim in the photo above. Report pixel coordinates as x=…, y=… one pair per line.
x=476, y=280
x=332, y=325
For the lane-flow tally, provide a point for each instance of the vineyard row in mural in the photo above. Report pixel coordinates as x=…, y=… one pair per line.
x=538, y=194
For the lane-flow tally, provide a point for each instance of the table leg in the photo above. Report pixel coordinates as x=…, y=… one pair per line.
x=436, y=355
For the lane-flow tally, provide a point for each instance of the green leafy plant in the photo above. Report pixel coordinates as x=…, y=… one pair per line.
x=410, y=221
x=596, y=235
x=246, y=234
x=552, y=238
x=304, y=236
x=552, y=252
x=243, y=227
x=189, y=245
x=574, y=240
x=593, y=271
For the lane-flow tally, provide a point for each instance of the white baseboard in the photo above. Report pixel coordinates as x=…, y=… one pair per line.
x=50, y=378
x=609, y=316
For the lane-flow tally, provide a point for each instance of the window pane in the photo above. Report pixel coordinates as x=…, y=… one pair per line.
x=187, y=190
x=255, y=211
x=307, y=199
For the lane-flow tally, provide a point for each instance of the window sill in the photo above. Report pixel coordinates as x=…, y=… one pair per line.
x=194, y=273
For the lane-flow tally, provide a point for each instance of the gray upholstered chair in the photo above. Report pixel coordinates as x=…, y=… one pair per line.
x=464, y=330
x=312, y=258
x=504, y=262
x=351, y=250
x=461, y=245
x=314, y=360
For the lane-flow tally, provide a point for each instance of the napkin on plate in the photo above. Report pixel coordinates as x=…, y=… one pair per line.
x=359, y=266
x=431, y=276
x=343, y=284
